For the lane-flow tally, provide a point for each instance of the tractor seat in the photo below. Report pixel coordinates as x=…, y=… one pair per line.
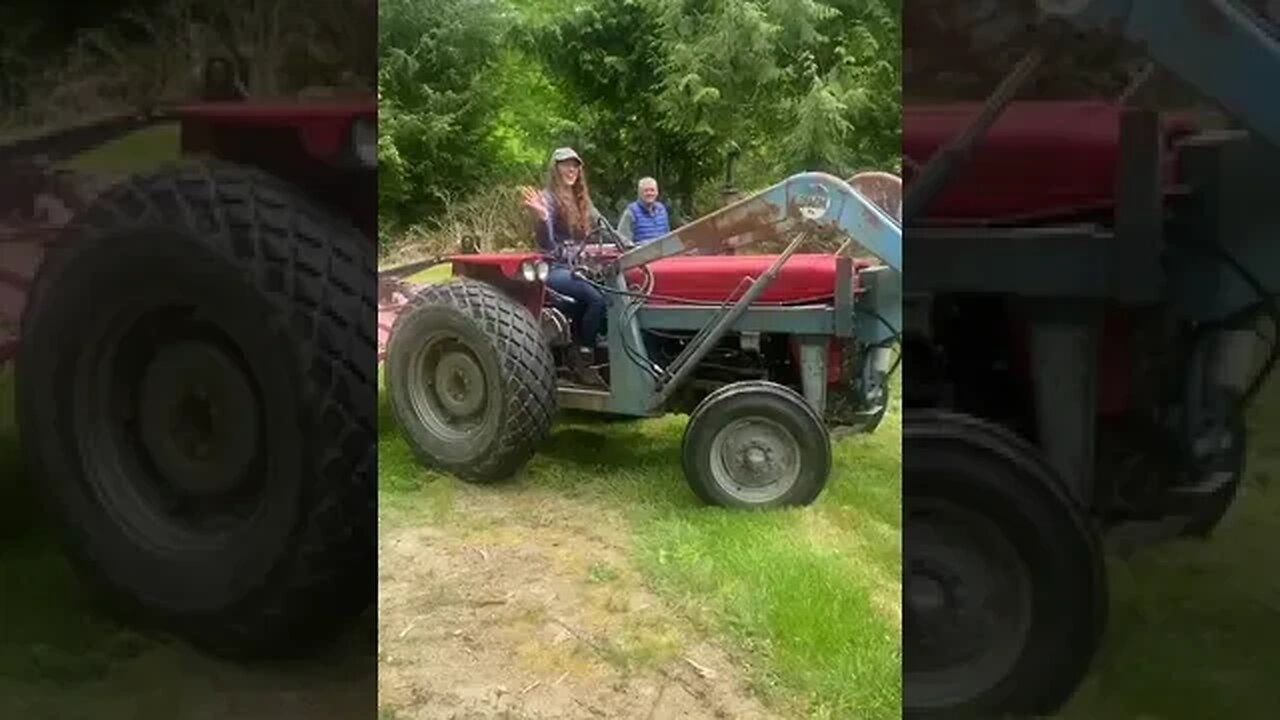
x=804, y=279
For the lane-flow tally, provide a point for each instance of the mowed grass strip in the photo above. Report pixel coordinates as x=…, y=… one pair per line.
x=810, y=598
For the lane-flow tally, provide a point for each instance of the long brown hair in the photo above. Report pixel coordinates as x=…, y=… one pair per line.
x=574, y=201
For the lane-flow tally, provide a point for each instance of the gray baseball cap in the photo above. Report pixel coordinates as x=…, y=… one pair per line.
x=564, y=153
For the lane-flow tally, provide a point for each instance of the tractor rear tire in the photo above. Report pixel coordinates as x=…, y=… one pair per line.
x=986, y=520
x=753, y=431
x=471, y=380
x=197, y=402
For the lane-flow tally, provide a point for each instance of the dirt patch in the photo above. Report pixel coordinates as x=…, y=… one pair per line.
x=524, y=607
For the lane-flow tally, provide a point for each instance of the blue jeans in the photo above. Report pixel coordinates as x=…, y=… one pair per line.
x=589, y=307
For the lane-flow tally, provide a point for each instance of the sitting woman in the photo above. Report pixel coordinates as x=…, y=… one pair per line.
x=565, y=215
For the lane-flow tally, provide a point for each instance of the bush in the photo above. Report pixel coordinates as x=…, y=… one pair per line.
x=493, y=218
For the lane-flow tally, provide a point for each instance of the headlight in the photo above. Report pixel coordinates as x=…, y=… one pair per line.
x=543, y=270
x=528, y=271
x=364, y=141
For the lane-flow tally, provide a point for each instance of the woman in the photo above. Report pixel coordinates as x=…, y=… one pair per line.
x=565, y=214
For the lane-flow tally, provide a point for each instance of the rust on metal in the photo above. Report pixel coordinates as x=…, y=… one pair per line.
x=579, y=398
x=749, y=217
x=882, y=188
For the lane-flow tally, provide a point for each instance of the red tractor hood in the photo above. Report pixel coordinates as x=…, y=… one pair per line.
x=805, y=278
x=713, y=278
x=1039, y=160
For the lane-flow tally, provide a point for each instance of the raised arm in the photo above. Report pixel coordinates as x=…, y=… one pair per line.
x=539, y=206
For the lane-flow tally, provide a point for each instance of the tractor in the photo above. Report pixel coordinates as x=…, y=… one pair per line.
x=194, y=368
x=1081, y=339
x=768, y=354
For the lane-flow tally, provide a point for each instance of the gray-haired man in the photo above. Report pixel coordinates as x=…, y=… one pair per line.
x=645, y=219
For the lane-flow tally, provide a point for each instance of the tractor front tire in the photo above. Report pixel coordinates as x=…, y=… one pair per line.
x=471, y=380
x=756, y=445
x=1004, y=587
x=197, y=403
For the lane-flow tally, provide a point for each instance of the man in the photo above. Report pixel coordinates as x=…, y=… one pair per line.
x=645, y=219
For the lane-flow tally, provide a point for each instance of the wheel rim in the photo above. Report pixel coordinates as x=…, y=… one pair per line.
x=196, y=417
x=170, y=427
x=448, y=388
x=967, y=609
x=755, y=460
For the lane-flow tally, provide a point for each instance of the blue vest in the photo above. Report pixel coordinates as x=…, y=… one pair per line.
x=645, y=226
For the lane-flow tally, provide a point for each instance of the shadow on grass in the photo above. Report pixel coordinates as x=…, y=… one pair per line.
x=53, y=631
x=64, y=655
x=580, y=455
x=1195, y=625
x=638, y=462
x=612, y=447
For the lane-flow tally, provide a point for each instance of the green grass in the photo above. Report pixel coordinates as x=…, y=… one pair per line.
x=1195, y=626
x=813, y=592
x=53, y=632
x=432, y=274
x=809, y=597
x=137, y=152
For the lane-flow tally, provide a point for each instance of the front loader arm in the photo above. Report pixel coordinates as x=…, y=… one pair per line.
x=1218, y=47
x=808, y=200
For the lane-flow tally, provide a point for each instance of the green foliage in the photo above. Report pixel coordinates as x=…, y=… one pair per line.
x=533, y=114
x=666, y=88
x=436, y=112
x=607, y=54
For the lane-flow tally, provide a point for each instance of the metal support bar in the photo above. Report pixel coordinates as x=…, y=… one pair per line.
x=881, y=318
x=1036, y=262
x=1064, y=357
x=844, y=296
x=67, y=142
x=933, y=178
x=813, y=370
x=1139, y=214
x=1218, y=47
x=783, y=319
x=413, y=267
x=693, y=353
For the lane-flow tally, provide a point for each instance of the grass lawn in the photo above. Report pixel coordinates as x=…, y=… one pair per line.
x=1195, y=626
x=52, y=634
x=136, y=152
x=809, y=598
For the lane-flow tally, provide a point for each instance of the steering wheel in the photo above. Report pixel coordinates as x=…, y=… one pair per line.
x=605, y=228
x=595, y=265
